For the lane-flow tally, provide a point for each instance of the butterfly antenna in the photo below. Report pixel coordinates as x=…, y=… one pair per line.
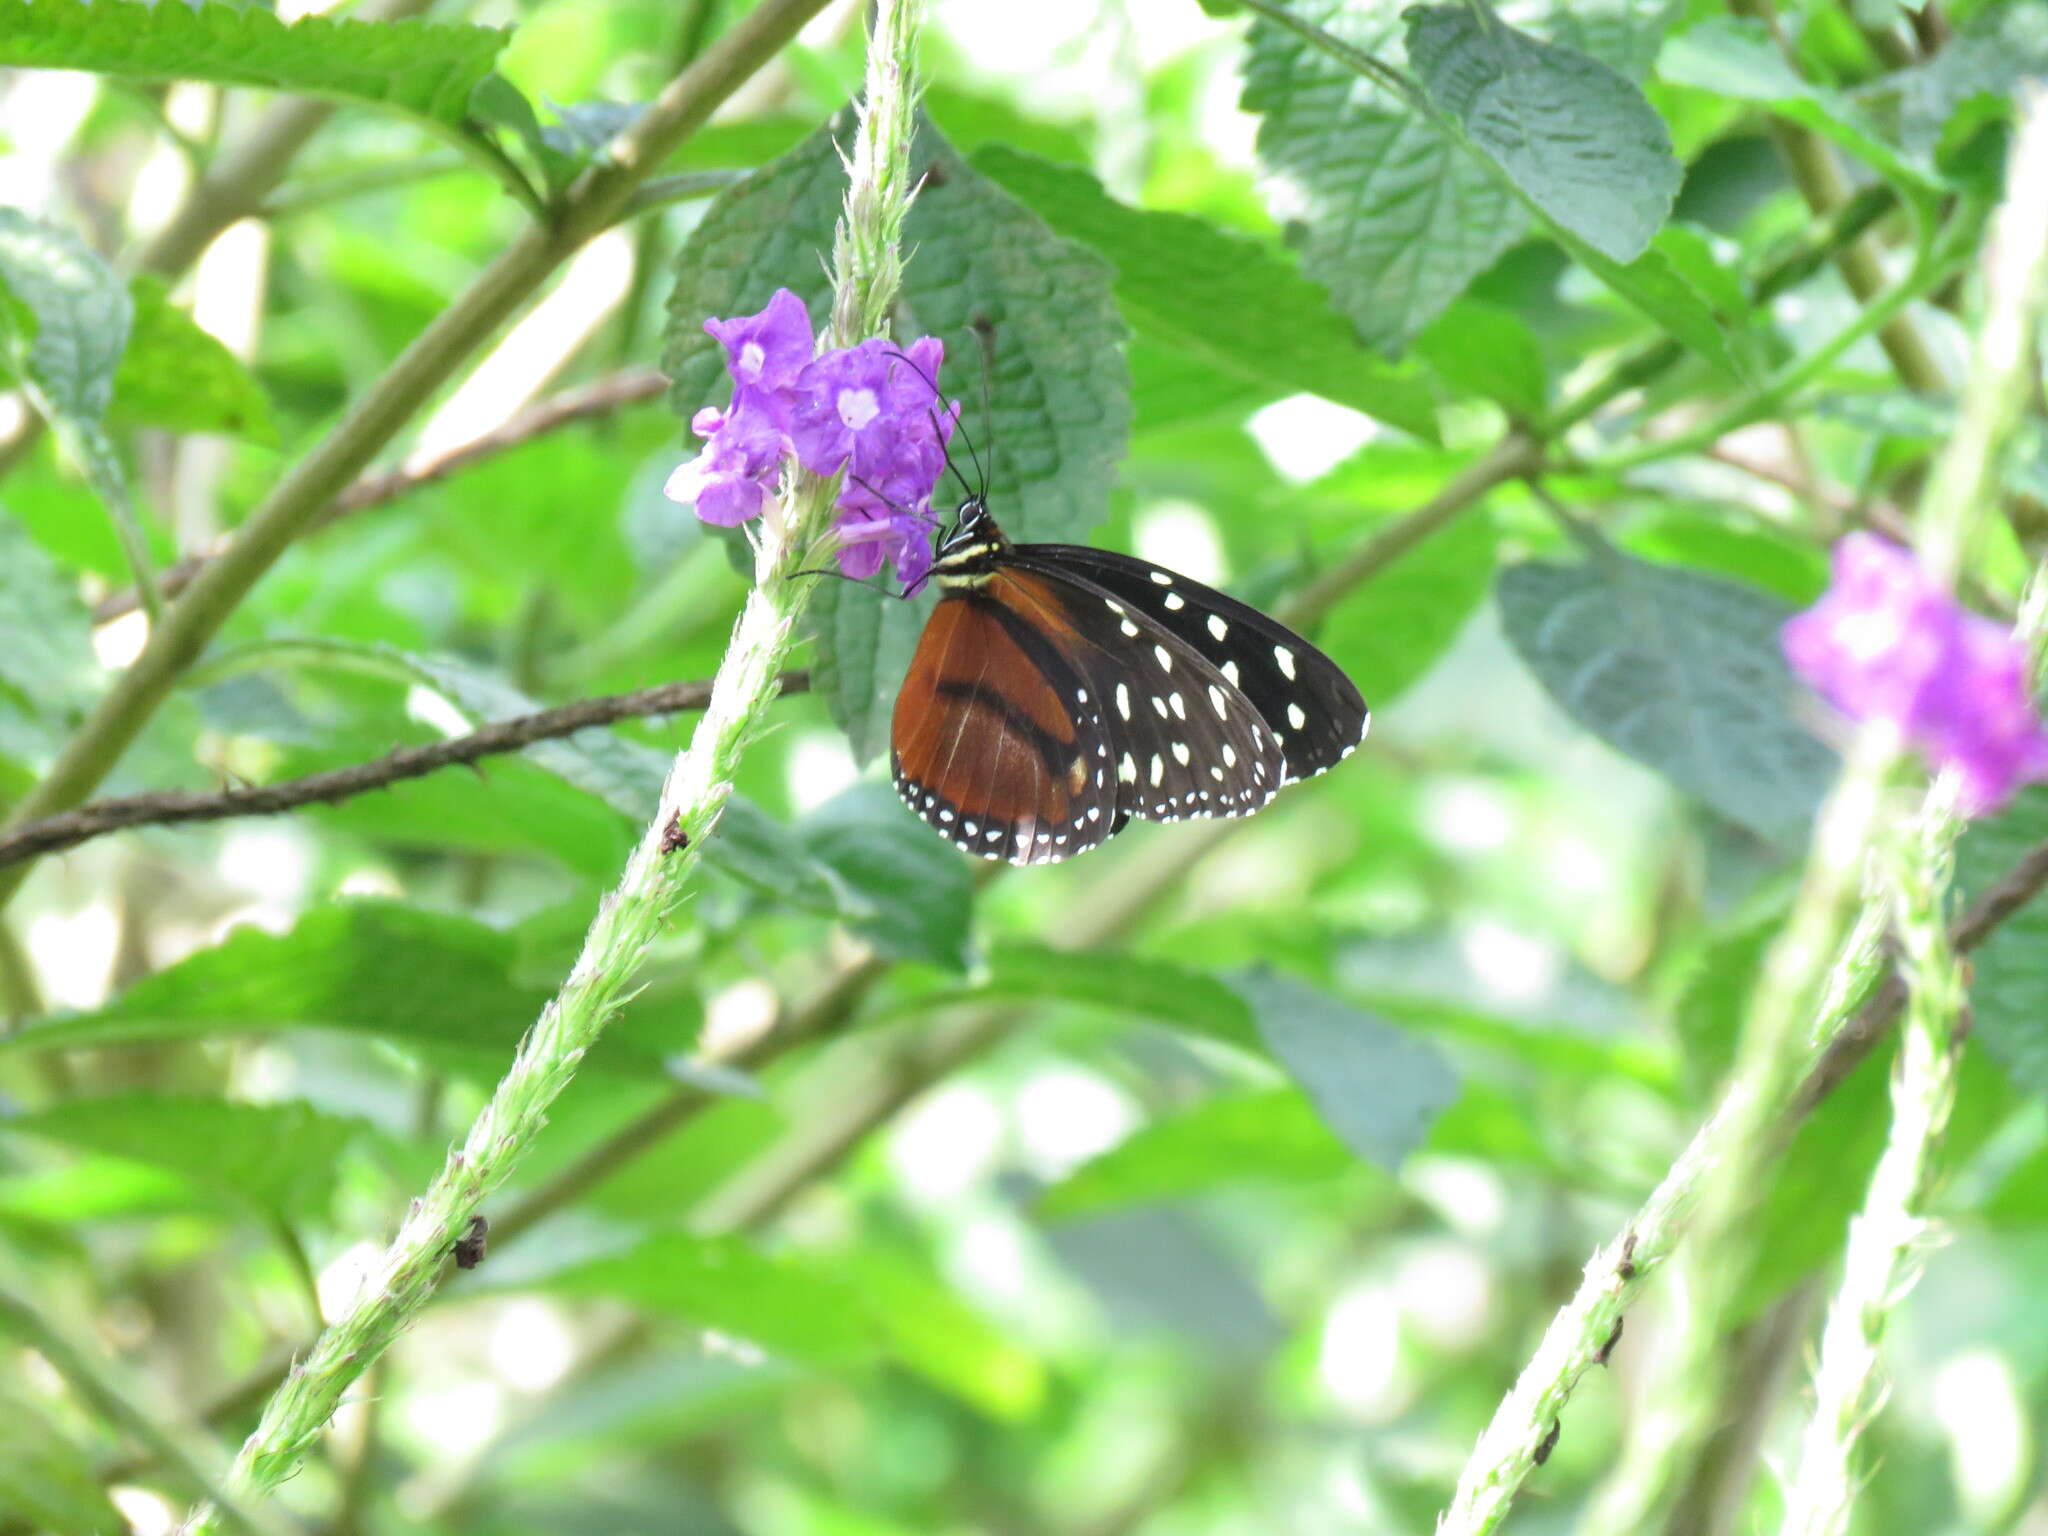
x=985, y=333
x=939, y=433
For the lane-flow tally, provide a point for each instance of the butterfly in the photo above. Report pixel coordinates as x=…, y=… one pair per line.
x=1058, y=690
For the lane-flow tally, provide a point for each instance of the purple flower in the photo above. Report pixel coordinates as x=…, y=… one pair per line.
x=868, y=410
x=1887, y=643
x=766, y=351
x=868, y=536
x=865, y=408
x=732, y=479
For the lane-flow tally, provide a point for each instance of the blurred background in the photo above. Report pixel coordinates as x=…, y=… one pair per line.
x=898, y=1202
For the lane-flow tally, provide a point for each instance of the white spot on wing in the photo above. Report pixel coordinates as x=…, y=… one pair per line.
x=1129, y=628
x=1174, y=602
x=1180, y=753
x=1295, y=717
x=1180, y=710
x=1229, y=670
x=1127, y=770
x=1123, y=701
x=1158, y=770
x=1165, y=657
x=1163, y=578
x=1217, y=627
x=1285, y=658
x=1218, y=703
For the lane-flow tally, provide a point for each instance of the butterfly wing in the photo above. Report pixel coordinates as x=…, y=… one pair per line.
x=1302, y=695
x=998, y=740
x=1182, y=740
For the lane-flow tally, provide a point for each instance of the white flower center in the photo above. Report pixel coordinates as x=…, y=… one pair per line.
x=752, y=358
x=858, y=407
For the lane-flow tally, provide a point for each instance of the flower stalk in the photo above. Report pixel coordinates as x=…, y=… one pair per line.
x=867, y=269
x=1811, y=978
x=1891, y=1230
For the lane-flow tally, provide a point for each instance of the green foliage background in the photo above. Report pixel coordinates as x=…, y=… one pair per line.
x=1220, y=1181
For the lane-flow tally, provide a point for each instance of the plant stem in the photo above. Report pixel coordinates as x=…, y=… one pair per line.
x=590, y=206
x=1878, y=1267
x=868, y=266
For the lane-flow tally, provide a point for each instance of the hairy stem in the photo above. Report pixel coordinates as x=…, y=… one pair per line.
x=627, y=922
x=1885, y=1236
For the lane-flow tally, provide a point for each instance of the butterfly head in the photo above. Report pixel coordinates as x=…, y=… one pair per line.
x=968, y=552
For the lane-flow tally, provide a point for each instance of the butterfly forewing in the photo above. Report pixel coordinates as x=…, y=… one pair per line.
x=1300, y=693
x=1183, y=741
x=998, y=740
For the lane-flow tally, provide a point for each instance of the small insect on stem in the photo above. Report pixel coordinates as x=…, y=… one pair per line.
x=1549, y=1442
x=1626, y=1269
x=469, y=1248
x=1601, y=1354
x=673, y=838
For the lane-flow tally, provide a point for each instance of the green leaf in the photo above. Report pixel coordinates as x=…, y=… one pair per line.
x=2009, y=989
x=1375, y=1085
x=1991, y=54
x=280, y=1159
x=1275, y=1136
x=902, y=889
x=421, y=67
x=1060, y=389
x=1130, y=986
x=178, y=377
x=1394, y=218
x=1390, y=633
x=1480, y=350
x=1679, y=671
x=1734, y=56
x=728, y=1286
x=67, y=314
x=939, y=1336
x=1664, y=294
x=1178, y=276
x=46, y=656
x=46, y=1479
x=1574, y=137
x=368, y=967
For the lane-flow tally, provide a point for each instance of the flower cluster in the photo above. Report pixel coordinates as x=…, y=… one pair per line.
x=1885, y=642
x=870, y=410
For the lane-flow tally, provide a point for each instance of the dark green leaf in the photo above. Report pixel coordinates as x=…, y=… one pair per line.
x=1059, y=386
x=46, y=656
x=66, y=313
x=1374, y=1085
x=178, y=377
x=1682, y=672
x=1178, y=278
x=425, y=68
x=1394, y=218
x=1999, y=47
x=2009, y=992
x=281, y=1159
x=1573, y=136
x=1393, y=629
x=901, y=887
x=1274, y=1135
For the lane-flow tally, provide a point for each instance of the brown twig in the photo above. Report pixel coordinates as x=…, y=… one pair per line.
x=598, y=398
x=168, y=807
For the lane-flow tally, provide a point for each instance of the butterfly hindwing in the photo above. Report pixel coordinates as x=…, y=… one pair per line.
x=995, y=742
x=1183, y=741
x=1302, y=695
